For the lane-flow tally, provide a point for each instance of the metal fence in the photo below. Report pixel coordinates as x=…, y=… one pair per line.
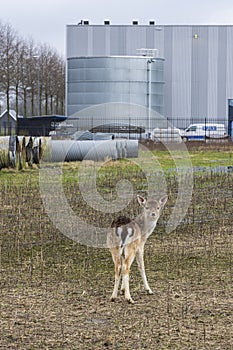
x=134, y=127
x=139, y=127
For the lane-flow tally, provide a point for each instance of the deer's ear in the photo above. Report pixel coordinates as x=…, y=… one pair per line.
x=163, y=200
x=141, y=200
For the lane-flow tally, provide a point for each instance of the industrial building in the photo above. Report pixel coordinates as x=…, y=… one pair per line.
x=191, y=65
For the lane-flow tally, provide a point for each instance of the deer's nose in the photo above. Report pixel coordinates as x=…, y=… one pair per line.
x=153, y=214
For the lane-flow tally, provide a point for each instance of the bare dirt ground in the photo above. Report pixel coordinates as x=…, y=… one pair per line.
x=70, y=309
x=54, y=293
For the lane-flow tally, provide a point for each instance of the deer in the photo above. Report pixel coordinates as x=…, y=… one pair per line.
x=126, y=239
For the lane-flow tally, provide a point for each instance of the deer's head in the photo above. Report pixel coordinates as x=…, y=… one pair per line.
x=152, y=208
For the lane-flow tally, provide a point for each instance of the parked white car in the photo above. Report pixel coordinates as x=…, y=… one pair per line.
x=202, y=131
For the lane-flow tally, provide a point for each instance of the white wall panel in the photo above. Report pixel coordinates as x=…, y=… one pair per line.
x=222, y=66
x=229, y=75
x=212, y=98
x=181, y=72
x=135, y=39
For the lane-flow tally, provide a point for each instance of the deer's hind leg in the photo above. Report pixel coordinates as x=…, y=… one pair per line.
x=118, y=269
x=126, y=265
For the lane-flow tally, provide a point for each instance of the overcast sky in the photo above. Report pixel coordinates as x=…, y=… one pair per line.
x=45, y=20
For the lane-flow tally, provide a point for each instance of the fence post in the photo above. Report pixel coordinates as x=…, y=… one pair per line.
x=205, y=129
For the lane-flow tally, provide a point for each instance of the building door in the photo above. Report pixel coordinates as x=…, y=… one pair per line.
x=230, y=118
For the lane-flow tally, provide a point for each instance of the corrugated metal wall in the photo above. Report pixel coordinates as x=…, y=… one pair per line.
x=198, y=73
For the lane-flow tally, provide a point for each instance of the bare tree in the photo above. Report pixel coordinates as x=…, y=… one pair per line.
x=60, y=87
x=52, y=81
x=32, y=77
x=18, y=59
x=8, y=50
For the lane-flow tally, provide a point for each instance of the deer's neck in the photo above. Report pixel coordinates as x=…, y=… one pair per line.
x=146, y=224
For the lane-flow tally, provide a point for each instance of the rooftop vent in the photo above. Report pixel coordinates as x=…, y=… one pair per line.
x=106, y=23
x=135, y=23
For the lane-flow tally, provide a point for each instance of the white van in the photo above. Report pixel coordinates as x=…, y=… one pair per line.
x=202, y=131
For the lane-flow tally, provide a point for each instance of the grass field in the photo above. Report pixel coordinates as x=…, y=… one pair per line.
x=55, y=292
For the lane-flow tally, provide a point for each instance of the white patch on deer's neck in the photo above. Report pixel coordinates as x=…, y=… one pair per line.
x=148, y=225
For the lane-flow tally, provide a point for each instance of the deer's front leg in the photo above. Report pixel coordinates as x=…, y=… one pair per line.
x=141, y=266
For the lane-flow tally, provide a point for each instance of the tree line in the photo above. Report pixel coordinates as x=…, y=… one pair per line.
x=32, y=76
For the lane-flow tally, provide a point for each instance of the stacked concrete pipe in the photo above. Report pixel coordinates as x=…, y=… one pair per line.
x=70, y=150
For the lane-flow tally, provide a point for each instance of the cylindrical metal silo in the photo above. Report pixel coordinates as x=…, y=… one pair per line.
x=126, y=79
